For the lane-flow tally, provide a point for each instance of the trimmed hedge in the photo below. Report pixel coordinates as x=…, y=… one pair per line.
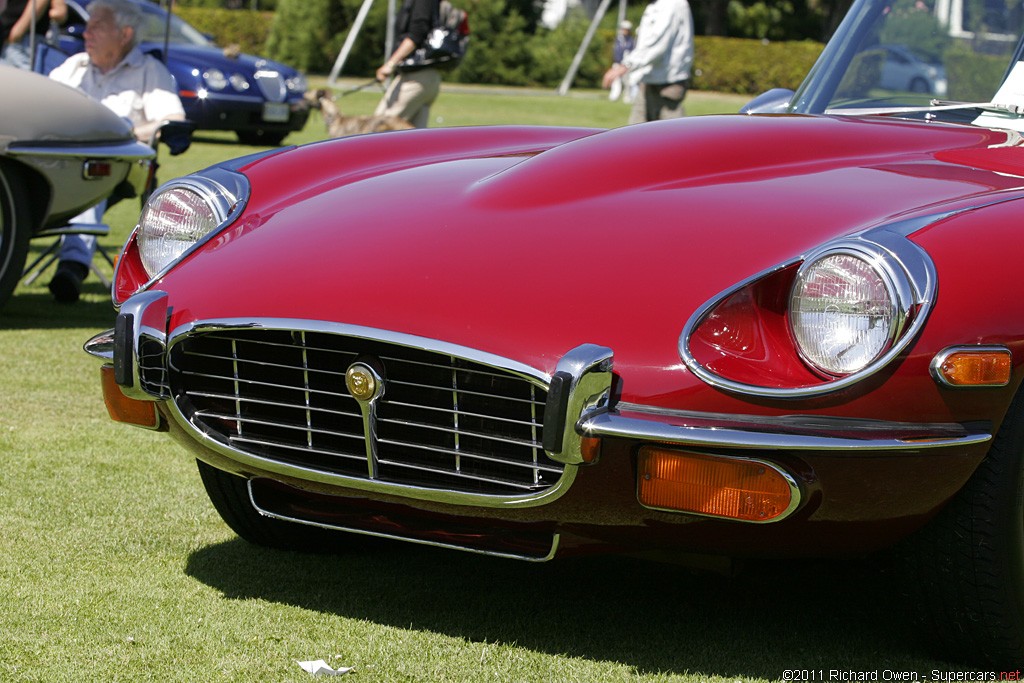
x=501, y=51
x=749, y=67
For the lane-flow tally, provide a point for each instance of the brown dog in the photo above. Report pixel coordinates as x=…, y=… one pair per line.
x=338, y=125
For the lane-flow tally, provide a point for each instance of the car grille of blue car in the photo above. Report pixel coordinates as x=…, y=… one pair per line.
x=443, y=422
x=272, y=85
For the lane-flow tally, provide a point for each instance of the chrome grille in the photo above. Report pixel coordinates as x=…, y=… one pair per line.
x=443, y=422
x=152, y=367
x=272, y=85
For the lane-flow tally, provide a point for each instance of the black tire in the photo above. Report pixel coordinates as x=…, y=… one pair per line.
x=920, y=85
x=230, y=497
x=965, y=570
x=15, y=230
x=260, y=138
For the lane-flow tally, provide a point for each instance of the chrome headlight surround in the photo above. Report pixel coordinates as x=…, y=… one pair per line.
x=900, y=267
x=848, y=305
x=185, y=213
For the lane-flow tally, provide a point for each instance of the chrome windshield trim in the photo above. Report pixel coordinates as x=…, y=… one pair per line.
x=886, y=245
x=555, y=538
x=259, y=463
x=616, y=425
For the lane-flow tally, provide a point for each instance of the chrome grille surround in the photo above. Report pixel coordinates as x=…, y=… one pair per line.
x=452, y=424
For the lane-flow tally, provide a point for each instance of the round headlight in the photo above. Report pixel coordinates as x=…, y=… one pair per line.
x=171, y=223
x=239, y=82
x=844, y=313
x=297, y=83
x=215, y=79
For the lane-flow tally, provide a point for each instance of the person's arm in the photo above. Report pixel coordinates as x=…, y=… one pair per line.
x=404, y=49
x=58, y=11
x=421, y=20
x=24, y=23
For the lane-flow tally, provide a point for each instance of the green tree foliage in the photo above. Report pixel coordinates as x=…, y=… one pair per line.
x=303, y=30
x=309, y=34
x=772, y=19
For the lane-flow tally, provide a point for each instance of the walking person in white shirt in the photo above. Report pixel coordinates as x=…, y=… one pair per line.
x=661, y=61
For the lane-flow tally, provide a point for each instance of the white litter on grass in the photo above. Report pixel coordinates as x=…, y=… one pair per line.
x=322, y=668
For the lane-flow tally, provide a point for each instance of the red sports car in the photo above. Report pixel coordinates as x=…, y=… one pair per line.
x=757, y=335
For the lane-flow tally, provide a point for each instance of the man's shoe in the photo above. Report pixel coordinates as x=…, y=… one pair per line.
x=67, y=281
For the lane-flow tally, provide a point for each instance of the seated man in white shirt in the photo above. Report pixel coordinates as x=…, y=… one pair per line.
x=133, y=85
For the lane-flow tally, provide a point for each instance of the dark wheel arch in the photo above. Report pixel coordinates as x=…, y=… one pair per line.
x=230, y=497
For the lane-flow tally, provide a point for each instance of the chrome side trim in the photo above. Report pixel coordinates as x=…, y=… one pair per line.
x=259, y=463
x=555, y=538
x=115, y=151
x=888, y=248
x=615, y=425
x=795, y=497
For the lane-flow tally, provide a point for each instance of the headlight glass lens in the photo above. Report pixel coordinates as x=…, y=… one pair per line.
x=297, y=83
x=171, y=223
x=215, y=79
x=239, y=82
x=843, y=313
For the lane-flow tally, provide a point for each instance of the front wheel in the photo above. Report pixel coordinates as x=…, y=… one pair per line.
x=15, y=230
x=230, y=497
x=965, y=570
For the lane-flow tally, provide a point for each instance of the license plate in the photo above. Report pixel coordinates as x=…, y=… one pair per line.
x=276, y=112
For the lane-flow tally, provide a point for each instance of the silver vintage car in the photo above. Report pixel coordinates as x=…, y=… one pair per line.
x=60, y=153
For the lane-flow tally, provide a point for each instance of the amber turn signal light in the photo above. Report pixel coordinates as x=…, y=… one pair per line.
x=732, y=488
x=124, y=409
x=982, y=366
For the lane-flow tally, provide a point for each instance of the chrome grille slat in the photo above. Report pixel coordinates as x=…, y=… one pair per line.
x=359, y=457
x=284, y=387
x=470, y=454
x=443, y=422
x=201, y=414
x=450, y=430
x=457, y=475
x=524, y=423
x=276, y=404
x=470, y=393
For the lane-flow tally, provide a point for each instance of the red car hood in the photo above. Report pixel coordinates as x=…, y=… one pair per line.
x=614, y=238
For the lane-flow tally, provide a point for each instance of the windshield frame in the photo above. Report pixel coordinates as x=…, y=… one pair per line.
x=818, y=89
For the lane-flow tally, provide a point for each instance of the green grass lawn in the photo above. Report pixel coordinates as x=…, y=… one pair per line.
x=114, y=566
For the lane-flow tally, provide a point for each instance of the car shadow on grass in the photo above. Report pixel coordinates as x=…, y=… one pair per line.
x=654, y=617
x=35, y=308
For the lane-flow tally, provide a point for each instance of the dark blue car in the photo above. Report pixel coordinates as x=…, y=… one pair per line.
x=221, y=89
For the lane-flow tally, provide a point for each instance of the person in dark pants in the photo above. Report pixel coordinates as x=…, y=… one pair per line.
x=413, y=91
